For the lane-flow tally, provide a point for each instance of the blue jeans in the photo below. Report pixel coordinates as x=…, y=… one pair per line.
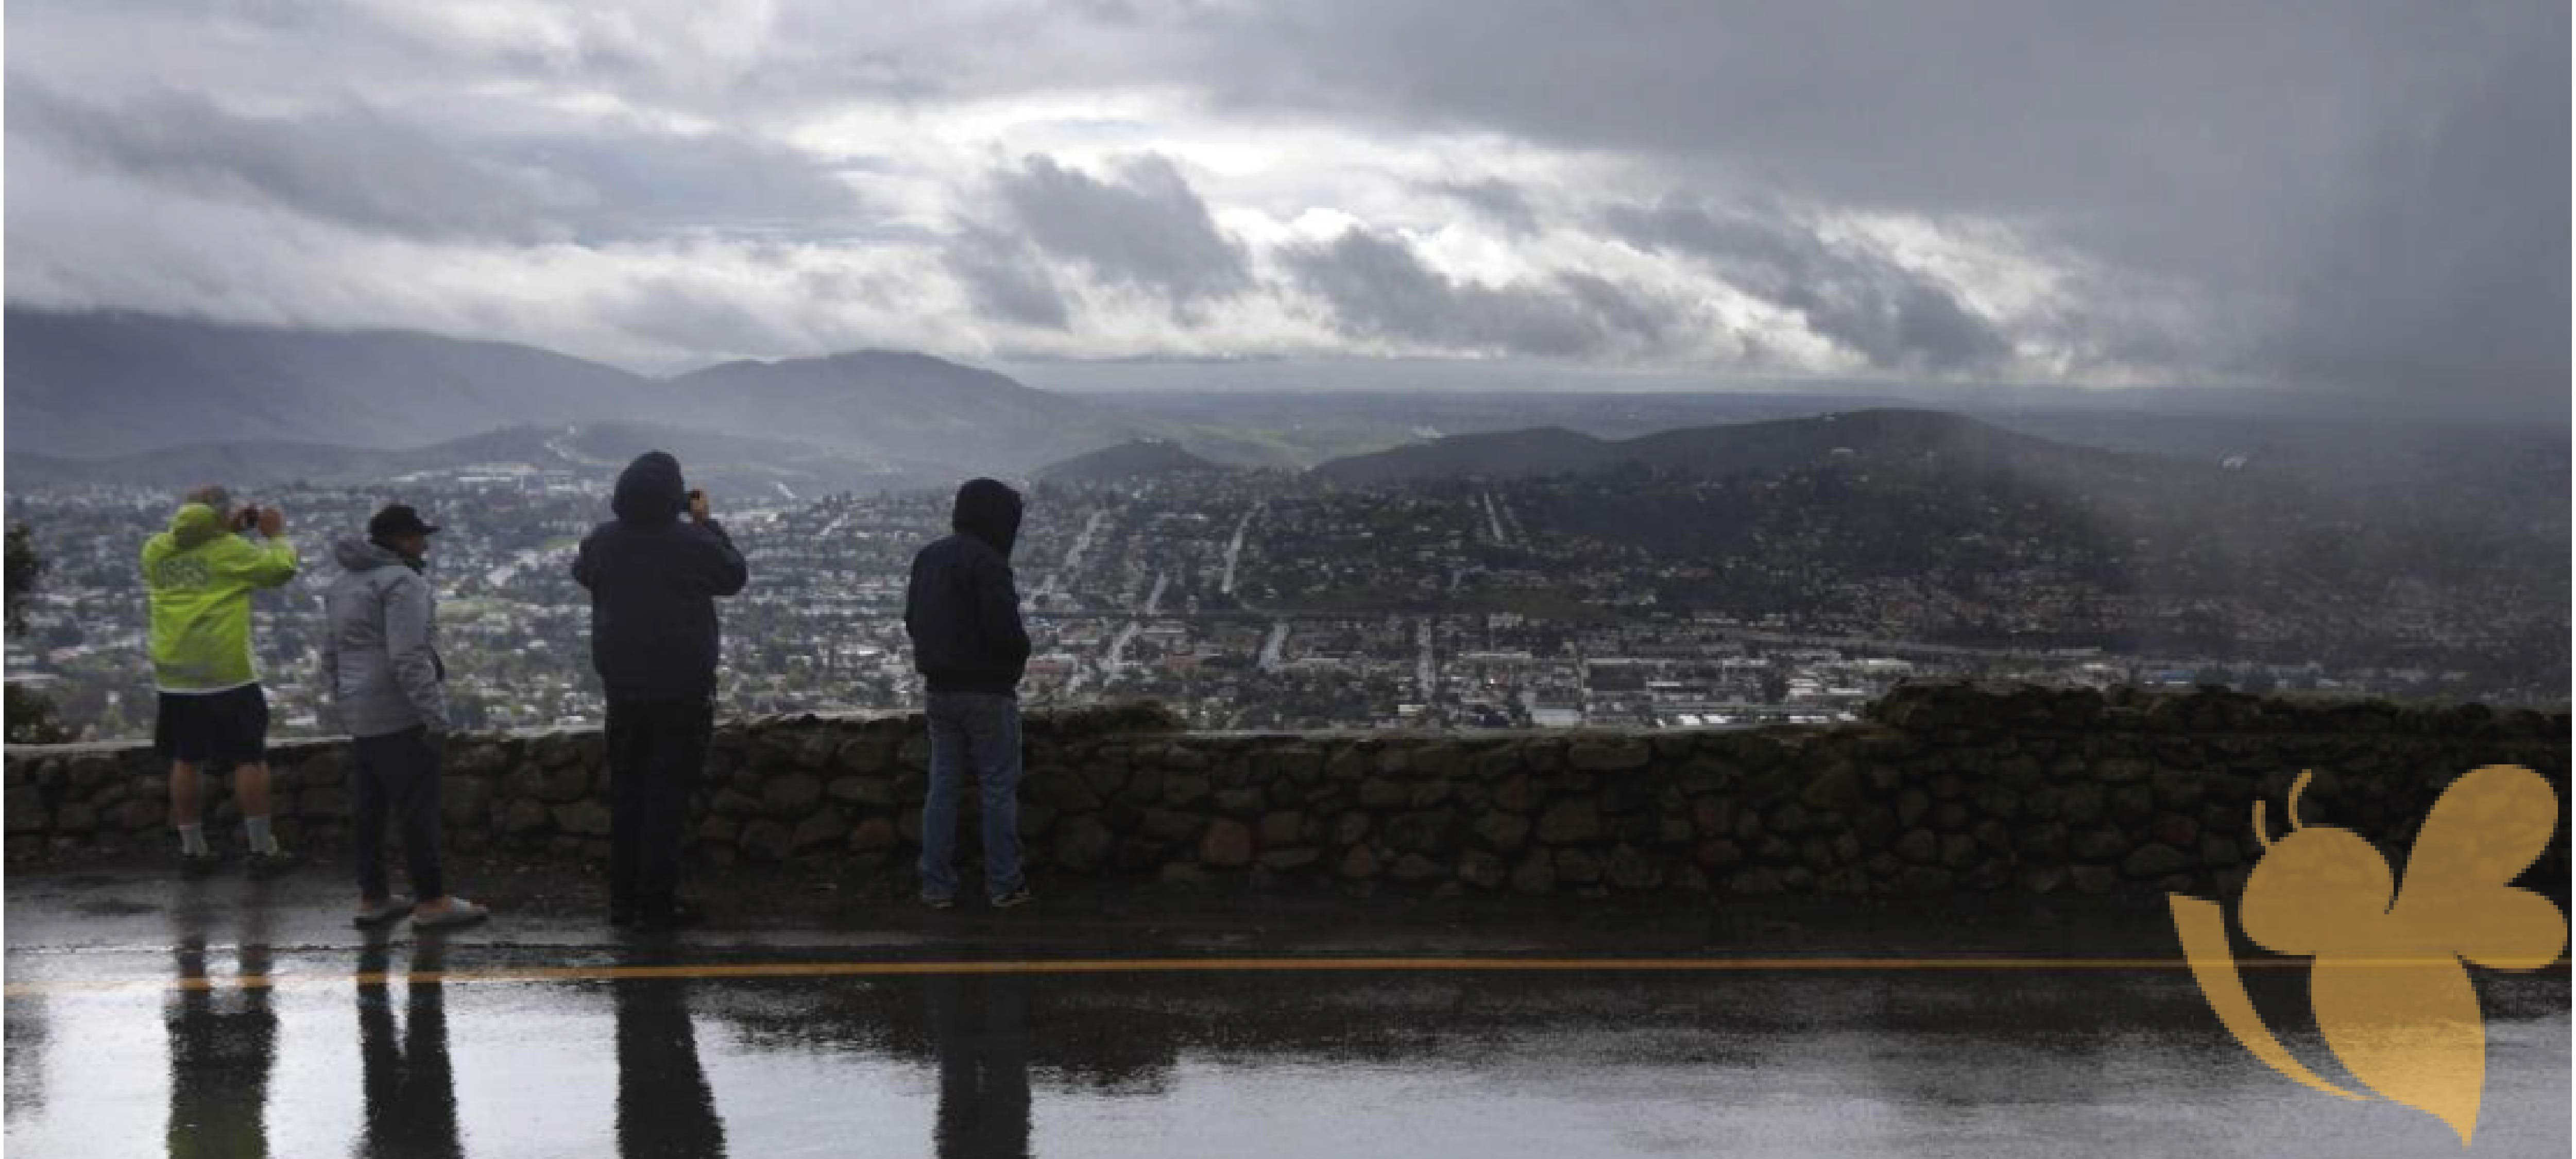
x=981, y=731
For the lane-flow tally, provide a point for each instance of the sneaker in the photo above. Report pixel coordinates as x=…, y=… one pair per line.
x=1017, y=896
x=198, y=864
x=457, y=912
x=938, y=901
x=276, y=861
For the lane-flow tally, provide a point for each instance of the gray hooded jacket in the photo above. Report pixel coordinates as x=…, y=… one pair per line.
x=378, y=656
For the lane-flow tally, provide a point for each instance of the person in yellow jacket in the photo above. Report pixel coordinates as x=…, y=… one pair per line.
x=213, y=713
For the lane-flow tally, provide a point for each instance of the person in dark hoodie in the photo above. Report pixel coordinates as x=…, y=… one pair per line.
x=653, y=583
x=963, y=615
x=388, y=688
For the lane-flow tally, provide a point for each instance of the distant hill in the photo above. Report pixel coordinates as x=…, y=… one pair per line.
x=909, y=404
x=1136, y=459
x=733, y=464
x=101, y=385
x=1498, y=455
x=1734, y=448
x=108, y=384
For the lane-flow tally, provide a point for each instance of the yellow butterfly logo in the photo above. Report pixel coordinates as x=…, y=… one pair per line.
x=2390, y=993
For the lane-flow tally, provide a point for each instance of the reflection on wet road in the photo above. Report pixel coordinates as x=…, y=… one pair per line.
x=364, y=1051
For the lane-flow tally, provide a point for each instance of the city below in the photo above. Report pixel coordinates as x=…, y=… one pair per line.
x=1274, y=600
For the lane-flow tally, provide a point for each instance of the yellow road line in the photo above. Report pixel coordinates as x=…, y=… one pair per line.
x=720, y=971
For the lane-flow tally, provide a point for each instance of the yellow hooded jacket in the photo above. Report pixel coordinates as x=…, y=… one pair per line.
x=201, y=576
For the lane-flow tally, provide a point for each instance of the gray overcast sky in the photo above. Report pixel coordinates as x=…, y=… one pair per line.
x=2363, y=196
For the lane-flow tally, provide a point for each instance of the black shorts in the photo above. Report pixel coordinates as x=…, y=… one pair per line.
x=214, y=730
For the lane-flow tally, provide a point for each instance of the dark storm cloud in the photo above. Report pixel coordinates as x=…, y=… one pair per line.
x=1377, y=287
x=361, y=166
x=1893, y=316
x=1497, y=199
x=1619, y=309
x=350, y=165
x=1145, y=228
x=2396, y=171
x=1006, y=278
x=2442, y=267
x=637, y=181
x=2341, y=192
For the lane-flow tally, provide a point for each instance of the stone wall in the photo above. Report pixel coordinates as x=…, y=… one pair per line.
x=1947, y=787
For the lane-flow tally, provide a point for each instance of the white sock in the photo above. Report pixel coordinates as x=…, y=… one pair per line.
x=192, y=840
x=257, y=829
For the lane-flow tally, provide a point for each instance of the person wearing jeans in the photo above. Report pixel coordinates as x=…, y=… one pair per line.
x=654, y=639
x=977, y=735
x=963, y=615
x=389, y=689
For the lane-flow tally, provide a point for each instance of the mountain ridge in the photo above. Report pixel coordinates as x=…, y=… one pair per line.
x=105, y=384
x=734, y=463
x=1717, y=449
x=1139, y=458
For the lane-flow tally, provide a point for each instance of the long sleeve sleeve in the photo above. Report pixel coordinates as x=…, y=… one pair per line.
x=725, y=572
x=408, y=615
x=997, y=611
x=269, y=565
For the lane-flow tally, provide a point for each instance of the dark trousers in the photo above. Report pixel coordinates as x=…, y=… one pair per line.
x=398, y=774
x=656, y=749
x=973, y=735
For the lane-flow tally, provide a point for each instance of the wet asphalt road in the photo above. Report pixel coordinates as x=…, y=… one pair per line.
x=546, y=1036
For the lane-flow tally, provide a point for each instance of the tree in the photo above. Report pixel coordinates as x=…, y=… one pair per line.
x=31, y=717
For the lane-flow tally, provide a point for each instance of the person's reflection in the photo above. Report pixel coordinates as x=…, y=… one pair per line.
x=221, y=1048
x=410, y=1089
x=29, y=1036
x=980, y=1021
x=664, y=1105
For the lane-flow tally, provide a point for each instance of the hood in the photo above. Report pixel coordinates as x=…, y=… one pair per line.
x=358, y=554
x=197, y=524
x=650, y=490
x=989, y=511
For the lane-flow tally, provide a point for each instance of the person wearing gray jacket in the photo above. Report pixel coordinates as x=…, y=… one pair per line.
x=388, y=689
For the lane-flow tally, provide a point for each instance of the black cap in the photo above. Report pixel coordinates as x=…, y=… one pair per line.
x=397, y=519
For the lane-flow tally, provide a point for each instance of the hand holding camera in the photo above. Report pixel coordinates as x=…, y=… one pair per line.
x=697, y=506
x=270, y=521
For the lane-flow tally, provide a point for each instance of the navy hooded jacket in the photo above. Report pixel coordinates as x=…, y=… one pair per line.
x=961, y=610
x=653, y=582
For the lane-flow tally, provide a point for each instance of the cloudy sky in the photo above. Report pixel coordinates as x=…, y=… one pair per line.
x=2362, y=196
